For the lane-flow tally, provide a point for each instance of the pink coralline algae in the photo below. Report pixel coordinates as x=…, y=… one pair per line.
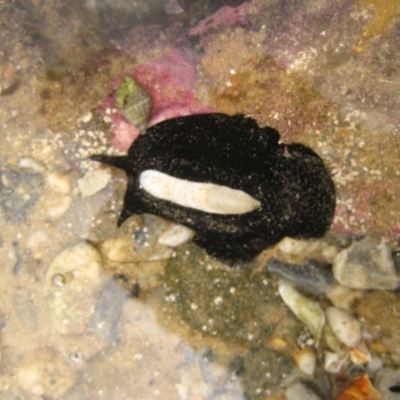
x=225, y=16
x=171, y=83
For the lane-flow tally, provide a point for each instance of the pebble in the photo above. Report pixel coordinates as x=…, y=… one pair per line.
x=366, y=264
x=19, y=191
x=333, y=342
x=312, y=276
x=59, y=182
x=72, y=282
x=107, y=317
x=175, y=235
x=32, y=164
x=360, y=354
x=93, y=181
x=44, y=373
x=297, y=391
x=334, y=362
x=344, y=297
x=307, y=311
x=85, y=218
x=296, y=246
x=56, y=205
x=306, y=360
x=346, y=327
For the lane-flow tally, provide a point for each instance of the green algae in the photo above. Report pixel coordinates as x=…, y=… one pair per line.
x=234, y=304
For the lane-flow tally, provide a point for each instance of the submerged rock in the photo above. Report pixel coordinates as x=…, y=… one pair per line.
x=19, y=191
x=229, y=303
x=312, y=276
x=366, y=264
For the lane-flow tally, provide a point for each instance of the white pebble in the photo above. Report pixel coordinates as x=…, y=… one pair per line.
x=218, y=300
x=306, y=360
x=333, y=362
x=366, y=264
x=307, y=311
x=175, y=235
x=298, y=391
x=94, y=181
x=57, y=206
x=87, y=117
x=58, y=182
x=346, y=327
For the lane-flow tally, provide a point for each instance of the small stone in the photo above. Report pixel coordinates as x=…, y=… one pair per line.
x=333, y=342
x=30, y=163
x=296, y=246
x=44, y=373
x=175, y=235
x=19, y=191
x=306, y=360
x=298, y=391
x=107, y=317
x=58, y=182
x=344, y=297
x=366, y=264
x=87, y=117
x=94, y=181
x=307, y=311
x=73, y=282
x=334, y=362
x=346, y=327
x=312, y=276
x=56, y=205
x=360, y=354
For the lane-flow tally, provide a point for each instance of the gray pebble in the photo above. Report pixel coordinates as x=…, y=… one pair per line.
x=366, y=264
x=298, y=391
x=106, y=319
x=313, y=276
x=19, y=191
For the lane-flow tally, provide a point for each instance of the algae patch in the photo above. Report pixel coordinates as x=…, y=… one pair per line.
x=234, y=304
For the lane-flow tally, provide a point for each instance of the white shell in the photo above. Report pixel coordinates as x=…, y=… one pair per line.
x=206, y=197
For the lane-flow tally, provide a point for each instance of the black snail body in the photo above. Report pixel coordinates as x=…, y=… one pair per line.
x=269, y=190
